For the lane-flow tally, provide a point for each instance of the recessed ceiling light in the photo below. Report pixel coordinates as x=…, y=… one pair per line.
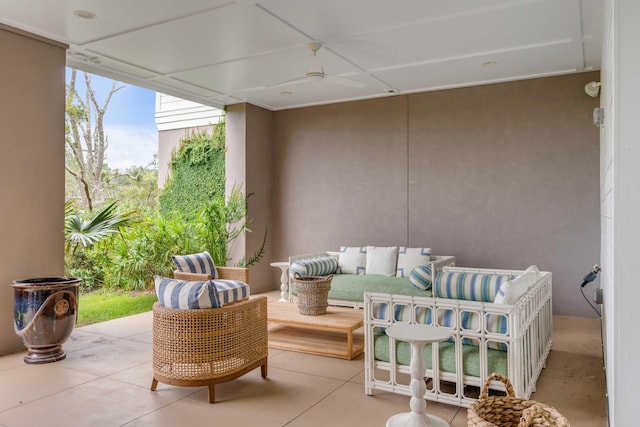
x=286, y=93
x=85, y=14
x=489, y=63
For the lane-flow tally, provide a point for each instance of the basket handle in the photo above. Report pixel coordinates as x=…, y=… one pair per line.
x=495, y=376
x=297, y=276
x=533, y=414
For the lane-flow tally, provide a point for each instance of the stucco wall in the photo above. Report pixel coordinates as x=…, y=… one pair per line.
x=620, y=208
x=32, y=80
x=502, y=176
x=249, y=165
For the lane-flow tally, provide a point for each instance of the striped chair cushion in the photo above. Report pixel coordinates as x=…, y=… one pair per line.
x=231, y=291
x=315, y=267
x=196, y=263
x=420, y=277
x=468, y=286
x=174, y=293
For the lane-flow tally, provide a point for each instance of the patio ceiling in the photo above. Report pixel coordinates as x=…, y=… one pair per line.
x=220, y=52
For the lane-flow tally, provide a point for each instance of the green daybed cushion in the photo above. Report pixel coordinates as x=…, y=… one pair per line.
x=351, y=287
x=471, y=359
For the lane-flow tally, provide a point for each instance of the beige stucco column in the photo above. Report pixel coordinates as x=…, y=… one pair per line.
x=249, y=164
x=32, y=82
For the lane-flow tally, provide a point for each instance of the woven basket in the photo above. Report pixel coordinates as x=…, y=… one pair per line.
x=510, y=411
x=312, y=293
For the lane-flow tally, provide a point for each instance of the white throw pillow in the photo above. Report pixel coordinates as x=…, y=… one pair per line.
x=352, y=260
x=512, y=290
x=410, y=258
x=532, y=273
x=382, y=260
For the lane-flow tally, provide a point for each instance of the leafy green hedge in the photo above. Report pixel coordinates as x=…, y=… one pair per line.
x=197, y=173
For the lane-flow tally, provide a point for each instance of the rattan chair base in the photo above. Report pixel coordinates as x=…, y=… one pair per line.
x=205, y=347
x=210, y=383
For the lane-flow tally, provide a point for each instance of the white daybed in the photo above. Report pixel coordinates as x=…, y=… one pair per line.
x=518, y=348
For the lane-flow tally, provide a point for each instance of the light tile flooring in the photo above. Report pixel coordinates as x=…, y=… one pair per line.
x=105, y=379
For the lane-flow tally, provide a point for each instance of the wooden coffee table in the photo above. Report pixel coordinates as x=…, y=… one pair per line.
x=331, y=334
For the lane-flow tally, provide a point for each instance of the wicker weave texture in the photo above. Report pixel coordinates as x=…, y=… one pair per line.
x=209, y=343
x=313, y=292
x=224, y=273
x=511, y=411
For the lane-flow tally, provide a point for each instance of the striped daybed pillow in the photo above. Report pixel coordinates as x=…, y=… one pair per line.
x=315, y=267
x=481, y=287
x=420, y=277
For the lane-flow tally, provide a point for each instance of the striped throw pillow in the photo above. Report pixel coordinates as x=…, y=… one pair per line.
x=231, y=291
x=420, y=277
x=467, y=286
x=315, y=267
x=174, y=293
x=196, y=263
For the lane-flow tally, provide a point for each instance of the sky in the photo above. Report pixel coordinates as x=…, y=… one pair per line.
x=129, y=122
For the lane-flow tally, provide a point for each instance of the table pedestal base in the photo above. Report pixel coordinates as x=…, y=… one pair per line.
x=412, y=419
x=417, y=335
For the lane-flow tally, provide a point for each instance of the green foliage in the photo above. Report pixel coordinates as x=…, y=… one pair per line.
x=135, y=188
x=85, y=236
x=86, y=232
x=197, y=173
x=113, y=251
x=101, y=306
x=221, y=223
x=87, y=264
x=145, y=250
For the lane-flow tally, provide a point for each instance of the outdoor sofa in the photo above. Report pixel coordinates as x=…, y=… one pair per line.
x=359, y=269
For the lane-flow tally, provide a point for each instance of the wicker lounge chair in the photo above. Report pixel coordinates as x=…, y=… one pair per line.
x=205, y=347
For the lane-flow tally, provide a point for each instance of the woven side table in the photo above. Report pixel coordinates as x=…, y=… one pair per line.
x=417, y=335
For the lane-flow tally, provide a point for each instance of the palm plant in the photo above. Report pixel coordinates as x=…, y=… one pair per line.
x=222, y=222
x=87, y=232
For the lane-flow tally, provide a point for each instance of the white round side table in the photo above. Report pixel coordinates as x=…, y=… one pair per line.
x=417, y=335
x=284, y=280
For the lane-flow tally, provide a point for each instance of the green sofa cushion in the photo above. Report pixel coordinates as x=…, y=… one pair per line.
x=497, y=362
x=351, y=287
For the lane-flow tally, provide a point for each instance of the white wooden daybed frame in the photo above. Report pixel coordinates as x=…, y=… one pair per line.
x=528, y=339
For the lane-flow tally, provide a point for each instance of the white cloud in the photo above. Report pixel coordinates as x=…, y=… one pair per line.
x=130, y=146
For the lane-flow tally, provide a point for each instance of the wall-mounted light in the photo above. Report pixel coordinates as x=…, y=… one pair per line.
x=592, y=89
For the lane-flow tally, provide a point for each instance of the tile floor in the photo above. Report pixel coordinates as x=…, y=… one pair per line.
x=104, y=381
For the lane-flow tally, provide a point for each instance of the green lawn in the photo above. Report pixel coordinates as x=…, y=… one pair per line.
x=100, y=306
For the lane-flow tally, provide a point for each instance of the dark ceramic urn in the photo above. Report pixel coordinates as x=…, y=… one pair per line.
x=45, y=311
